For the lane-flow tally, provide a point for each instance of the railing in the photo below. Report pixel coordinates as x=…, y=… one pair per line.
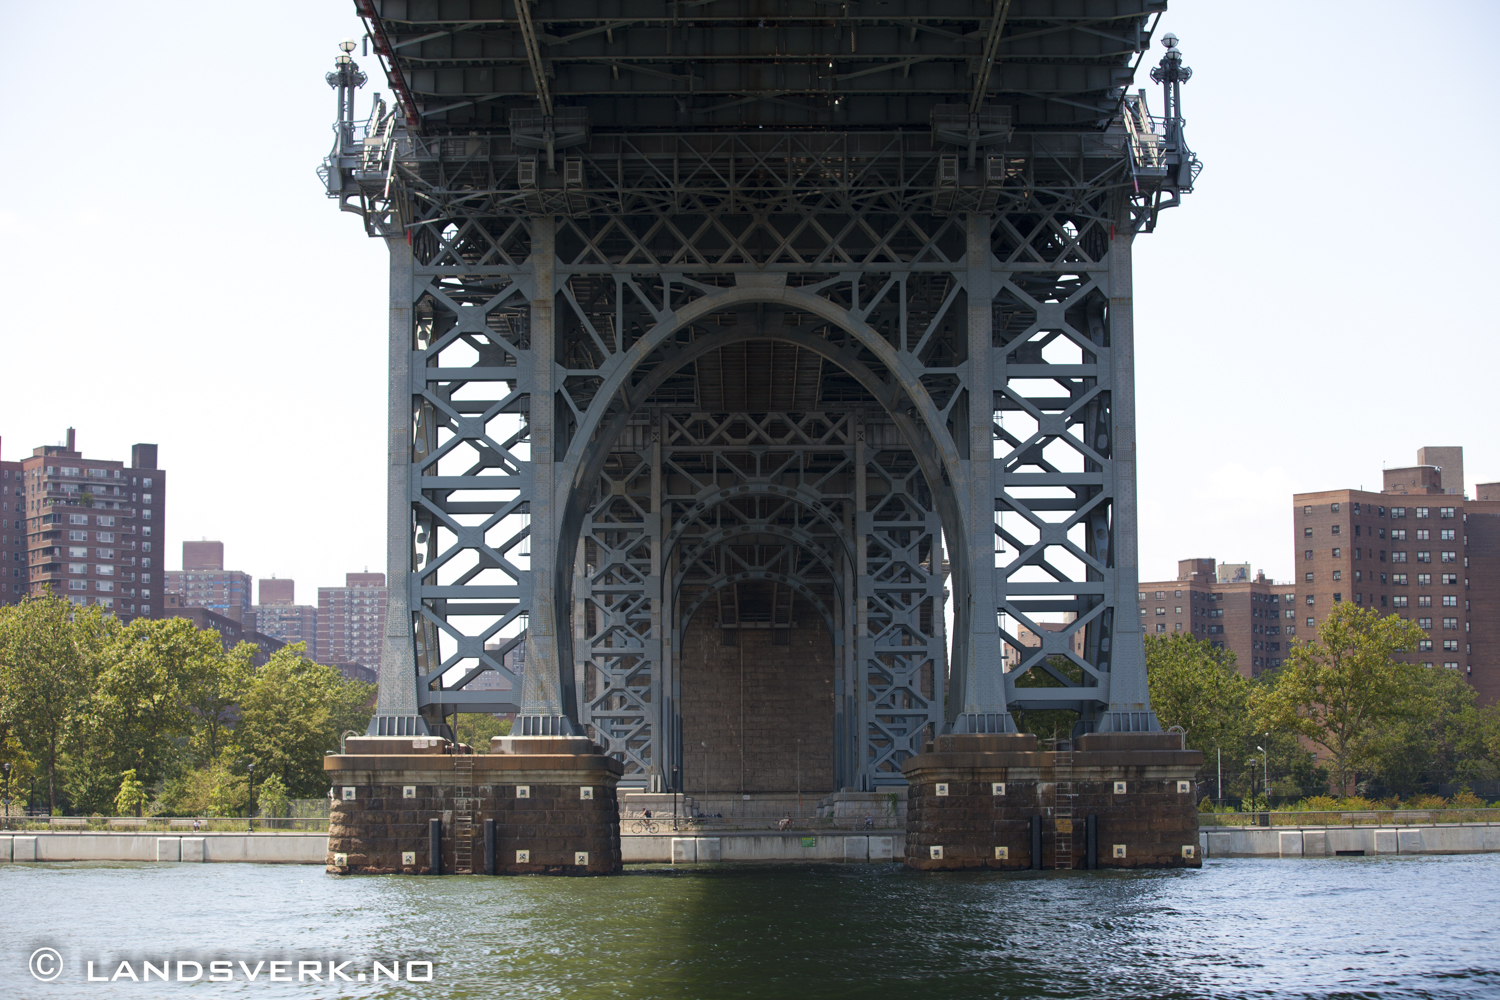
x=176, y=825
x=1350, y=817
x=1147, y=148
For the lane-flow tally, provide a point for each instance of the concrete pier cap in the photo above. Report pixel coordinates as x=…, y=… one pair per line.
x=1104, y=800
x=423, y=805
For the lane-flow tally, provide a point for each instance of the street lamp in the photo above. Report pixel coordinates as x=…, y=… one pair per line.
x=6, y=765
x=251, y=769
x=1265, y=781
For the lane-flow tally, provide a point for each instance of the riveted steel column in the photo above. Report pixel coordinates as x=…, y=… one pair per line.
x=543, y=705
x=1128, y=697
x=979, y=675
x=396, y=702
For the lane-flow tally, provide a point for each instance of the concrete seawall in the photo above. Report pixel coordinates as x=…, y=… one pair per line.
x=260, y=848
x=766, y=846
x=1331, y=841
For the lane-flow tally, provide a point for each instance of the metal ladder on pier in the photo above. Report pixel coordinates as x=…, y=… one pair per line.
x=463, y=813
x=1063, y=798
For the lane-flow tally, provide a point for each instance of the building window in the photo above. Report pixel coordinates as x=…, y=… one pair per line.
x=1450, y=557
x=1179, y=611
x=1335, y=507
x=1423, y=535
x=1423, y=512
x=1307, y=578
x=1160, y=594
x=78, y=585
x=1177, y=627
x=1448, y=535
x=1398, y=579
x=1424, y=579
x=1290, y=613
x=1424, y=600
x=1450, y=600
x=1307, y=554
x=1338, y=553
x=1161, y=611
x=1398, y=512
x=78, y=519
x=1450, y=579
x=1161, y=626
x=1306, y=532
x=1309, y=623
x=1306, y=511
x=1425, y=623
x=1425, y=646
x=1337, y=528
x=1425, y=557
x=1309, y=598
x=1445, y=512
x=1398, y=557
x=1398, y=534
x=1450, y=624
x=1338, y=598
x=1338, y=574
x=1451, y=665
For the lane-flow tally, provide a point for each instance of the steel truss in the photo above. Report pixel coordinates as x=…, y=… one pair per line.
x=567, y=473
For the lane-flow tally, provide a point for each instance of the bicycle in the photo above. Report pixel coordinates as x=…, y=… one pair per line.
x=644, y=826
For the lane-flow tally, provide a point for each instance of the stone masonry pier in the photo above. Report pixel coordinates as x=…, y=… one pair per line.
x=1119, y=800
x=552, y=800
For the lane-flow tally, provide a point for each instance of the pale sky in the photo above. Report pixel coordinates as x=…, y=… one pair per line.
x=172, y=272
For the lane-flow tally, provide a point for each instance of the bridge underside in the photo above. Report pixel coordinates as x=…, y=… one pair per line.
x=765, y=434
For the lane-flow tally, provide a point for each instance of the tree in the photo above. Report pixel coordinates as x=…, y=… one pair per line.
x=132, y=797
x=214, y=685
x=476, y=729
x=49, y=650
x=272, y=797
x=138, y=713
x=1198, y=687
x=1339, y=690
x=292, y=713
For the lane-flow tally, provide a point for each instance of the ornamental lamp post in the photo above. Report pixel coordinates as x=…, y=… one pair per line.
x=250, y=768
x=6, y=765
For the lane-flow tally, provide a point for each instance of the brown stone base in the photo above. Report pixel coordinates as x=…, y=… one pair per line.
x=537, y=801
x=953, y=803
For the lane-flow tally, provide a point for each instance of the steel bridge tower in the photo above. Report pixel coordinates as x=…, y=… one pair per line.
x=732, y=315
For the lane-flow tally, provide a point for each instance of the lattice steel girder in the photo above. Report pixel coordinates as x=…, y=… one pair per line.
x=464, y=65
x=552, y=452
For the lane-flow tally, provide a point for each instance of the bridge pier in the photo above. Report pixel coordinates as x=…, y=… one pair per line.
x=549, y=800
x=1119, y=800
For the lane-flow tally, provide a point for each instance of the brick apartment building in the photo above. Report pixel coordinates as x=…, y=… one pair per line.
x=92, y=528
x=351, y=621
x=279, y=616
x=1222, y=604
x=1419, y=549
x=13, y=574
x=203, y=582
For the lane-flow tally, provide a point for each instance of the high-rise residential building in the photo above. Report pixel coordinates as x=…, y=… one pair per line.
x=203, y=582
x=12, y=533
x=1418, y=549
x=94, y=528
x=279, y=616
x=351, y=620
x=1223, y=605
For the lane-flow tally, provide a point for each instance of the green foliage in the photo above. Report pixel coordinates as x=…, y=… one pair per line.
x=49, y=652
x=1049, y=723
x=1198, y=687
x=132, y=795
x=22, y=766
x=85, y=701
x=292, y=712
x=271, y=797
x=1339, y=691
x=476, y=729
